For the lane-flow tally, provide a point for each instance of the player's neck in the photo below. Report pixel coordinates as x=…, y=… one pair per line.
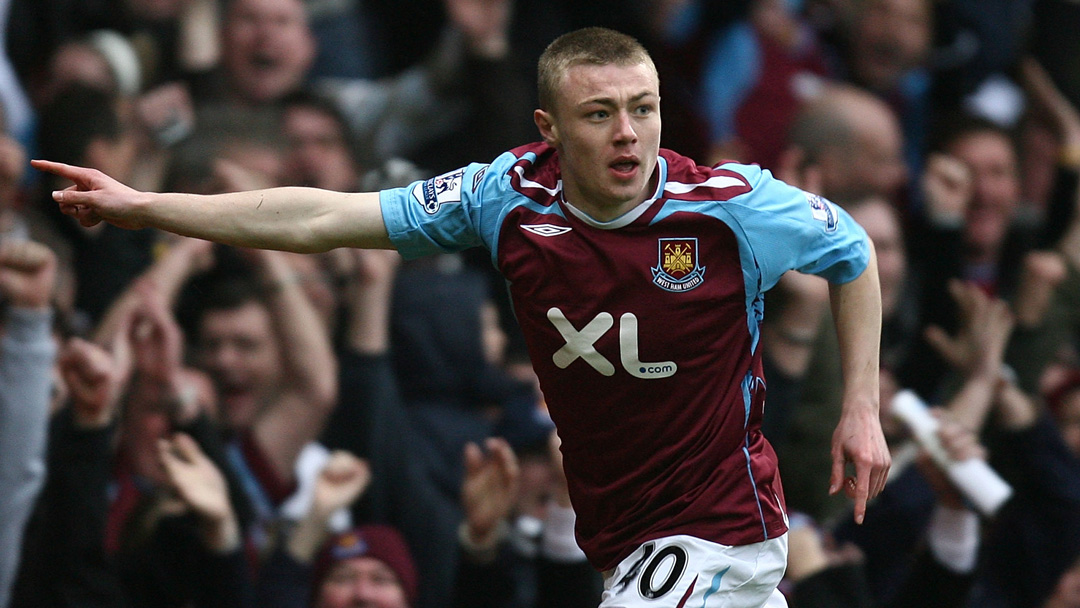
x=607, y=210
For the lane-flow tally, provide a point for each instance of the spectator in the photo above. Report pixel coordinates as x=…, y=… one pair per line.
x=370, y=565
x=105, y=260
x=65, y=562
x=887, y=52
x=321, y=153
x=27, y=352
x=269, y=355
x=757, y=75
x=845, y=145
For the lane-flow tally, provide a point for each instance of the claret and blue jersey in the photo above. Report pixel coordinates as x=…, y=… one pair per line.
x=644, y=330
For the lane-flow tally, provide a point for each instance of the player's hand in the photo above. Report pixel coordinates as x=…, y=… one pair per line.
x=27, y=273
x=858, y=440
x=95, y=197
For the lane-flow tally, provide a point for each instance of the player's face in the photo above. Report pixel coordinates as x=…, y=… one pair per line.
x=362, y=582
x=268, y=48
x=239, y=349
x=605, y=124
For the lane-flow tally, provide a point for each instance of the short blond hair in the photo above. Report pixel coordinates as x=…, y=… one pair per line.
x=591, y=45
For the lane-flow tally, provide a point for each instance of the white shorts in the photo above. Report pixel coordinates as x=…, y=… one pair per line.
x=687, y=572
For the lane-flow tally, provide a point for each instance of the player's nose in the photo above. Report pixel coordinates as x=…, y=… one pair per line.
x=624, y=128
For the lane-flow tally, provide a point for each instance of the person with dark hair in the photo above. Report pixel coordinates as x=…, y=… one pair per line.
x=84, y=126
x=321, y=152
x=676, y=490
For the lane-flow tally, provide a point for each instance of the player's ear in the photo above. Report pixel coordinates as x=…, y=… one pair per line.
x=545, y=122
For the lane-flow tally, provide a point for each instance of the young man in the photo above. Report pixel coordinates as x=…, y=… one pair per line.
x=637, y=277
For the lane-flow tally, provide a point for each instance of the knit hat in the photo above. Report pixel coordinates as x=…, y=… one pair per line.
x=380, y=542
x=122, y=59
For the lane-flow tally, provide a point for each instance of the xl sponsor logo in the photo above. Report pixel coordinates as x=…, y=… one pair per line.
x=580, y=344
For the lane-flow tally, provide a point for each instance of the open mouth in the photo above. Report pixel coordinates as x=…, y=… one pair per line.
x=624, y=167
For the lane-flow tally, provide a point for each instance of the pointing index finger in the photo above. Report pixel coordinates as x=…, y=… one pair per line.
x=79, y=175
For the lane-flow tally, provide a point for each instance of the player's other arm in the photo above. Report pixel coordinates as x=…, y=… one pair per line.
x=290, y=219
x=858, y=438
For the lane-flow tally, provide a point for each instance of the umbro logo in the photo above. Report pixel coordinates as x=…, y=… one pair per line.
x=546, y=229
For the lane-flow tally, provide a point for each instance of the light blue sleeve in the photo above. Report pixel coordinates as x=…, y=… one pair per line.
x=786, y=228
x=450, y=212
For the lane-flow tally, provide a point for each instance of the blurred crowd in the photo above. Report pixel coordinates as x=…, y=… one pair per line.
x=184, y=424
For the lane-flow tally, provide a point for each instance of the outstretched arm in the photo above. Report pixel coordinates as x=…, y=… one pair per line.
x=291, y=219
x=858, y=438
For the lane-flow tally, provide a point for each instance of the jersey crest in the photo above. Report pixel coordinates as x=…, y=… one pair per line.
x=677, y=269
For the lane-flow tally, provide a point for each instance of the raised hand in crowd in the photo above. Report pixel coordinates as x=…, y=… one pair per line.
x=200, y=485
x=167, y=113
x=947, y=187
x=489, y=490
x=1046, y=97
x=340, y=483
x=985, y=325
x=95, y=379
x=485, y=24
x=1042, y=272
x=158, y=348
x=184, y=258
x=368, y=276
x=307, y=392
x=976, y=351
